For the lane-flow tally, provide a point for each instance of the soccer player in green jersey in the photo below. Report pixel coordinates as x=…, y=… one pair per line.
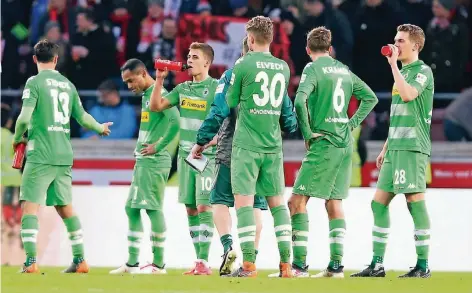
x=49, y=100
x=321, y=105
x=151, y=171
x=194, y=98
x=258, y=85
x=405, y=156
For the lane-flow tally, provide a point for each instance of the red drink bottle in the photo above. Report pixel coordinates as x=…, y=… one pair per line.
x=170, y=65
x=19, y=156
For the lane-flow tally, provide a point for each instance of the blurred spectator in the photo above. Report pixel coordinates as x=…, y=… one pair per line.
x=204, y=8
x=321, y=13
x=296, y=7
x=111, y=108
x=53, y=34
x=375, y=25
x=349, y=7
x=151, y=26
x=418, y=12
x=163, y=48
x=241, y=8
x=58, y=11
x=297, y=36
x=93, y=52
x=446, y=46
x=39, y=8
x=101, y=9
x=458, y=118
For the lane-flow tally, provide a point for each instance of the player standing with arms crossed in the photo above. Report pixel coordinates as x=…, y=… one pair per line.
x=194, y=98
x=405, y=155
x=258, y=85
x=222, y=196
x=151, y=171
x=49, y=100
x=321, y=105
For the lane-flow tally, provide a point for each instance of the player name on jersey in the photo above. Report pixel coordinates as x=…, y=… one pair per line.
x=335, y=70
x=269, y=65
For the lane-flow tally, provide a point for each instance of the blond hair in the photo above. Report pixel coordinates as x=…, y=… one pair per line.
x=416, y=34
x=207, y=50
x=319, y=39
x=262, y=29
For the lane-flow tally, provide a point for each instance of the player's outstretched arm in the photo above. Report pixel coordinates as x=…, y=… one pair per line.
x=287, y=117
x=219, y=111
x=368, y=100
x=86, y=120
x=157, y=102
x=407, y=92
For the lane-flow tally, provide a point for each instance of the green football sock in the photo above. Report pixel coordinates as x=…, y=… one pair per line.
x=194, y=227
x=337, y=230
x=227, y=242
x=247, y=232
x=76, y=237
x=283, y=231
x=380, y=231
x=206, y=234
x=29, y=233
x=135, y=234
x=420, y=216
x=300, y=229
x=158, y=236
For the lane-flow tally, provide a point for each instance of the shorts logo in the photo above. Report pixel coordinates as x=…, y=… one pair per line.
x=302, y=187
x=144, y=116
x=411, y=185
x=193, y=104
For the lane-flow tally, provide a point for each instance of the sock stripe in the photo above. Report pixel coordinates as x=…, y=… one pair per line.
x=283, y=228
x=76, y=233
x=284, y=239
x=381, y=230
x=246, y=229
x=77, y=241
x=204, y=227
x=336, y=240
x=300, y=243
x=133, y=244
x=422, y=242
x=379, y=239
x=422, y=232
x=29, y=231
x=158, y=235
x=158, y=243
x=300, y=233
x=29, y=239
x=249, y=238
x=194, y=228
x=342, y=230
x=135, y=234
x=195, y=240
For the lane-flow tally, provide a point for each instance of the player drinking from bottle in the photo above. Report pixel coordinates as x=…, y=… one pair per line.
x=221, y=196
x=321, y=105
x=49, y=100
x=194, y=98
x=151, y=171
x=405, y=155
x=258, y=85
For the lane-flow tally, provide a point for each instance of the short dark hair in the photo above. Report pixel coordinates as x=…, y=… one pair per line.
x=132, y=65
x=88, y=14
x=45, y=51
x=319, y=39
x=108, y=86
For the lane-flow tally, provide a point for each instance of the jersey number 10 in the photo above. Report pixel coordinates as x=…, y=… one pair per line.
x=60, y=102
x=269, y=93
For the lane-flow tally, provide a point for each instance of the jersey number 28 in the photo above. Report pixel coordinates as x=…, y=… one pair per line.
x=61, y=106
x=268, y=91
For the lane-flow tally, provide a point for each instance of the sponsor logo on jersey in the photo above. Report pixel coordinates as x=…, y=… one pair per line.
x=205, y=92
x=147, y=104
x=405, y=75
x=145, y=116
x=336, y=120
x=193, y=104
x=395, y=91
x=26, y=93
x=264, y=112
x=421, y=79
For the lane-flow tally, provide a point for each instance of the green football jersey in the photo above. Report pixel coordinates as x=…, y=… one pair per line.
x=54, y=99
x=410, y=123
x=258, y=84
x=153, y=126
x=194, y=99
x=329, y=85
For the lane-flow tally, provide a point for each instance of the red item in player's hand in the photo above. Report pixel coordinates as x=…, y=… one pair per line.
x=387, y=51
x=170, y=65
x=19, y=156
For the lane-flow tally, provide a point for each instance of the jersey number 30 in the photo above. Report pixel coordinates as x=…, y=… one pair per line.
x=268, y=91
x=61, y=106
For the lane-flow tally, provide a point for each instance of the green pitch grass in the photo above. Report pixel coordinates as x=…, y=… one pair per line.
x=99, y=281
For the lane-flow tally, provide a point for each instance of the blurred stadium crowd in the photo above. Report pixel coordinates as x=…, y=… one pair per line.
x=98, y=36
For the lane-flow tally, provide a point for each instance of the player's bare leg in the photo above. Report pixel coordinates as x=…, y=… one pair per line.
x=337, y=230
x=194, y=227
x=222, y=219
x=205, y=236
x=258, y=218
x=29, y=233
x=76, y=237
x=247, y=235
x=380, y=233
x=419, y=213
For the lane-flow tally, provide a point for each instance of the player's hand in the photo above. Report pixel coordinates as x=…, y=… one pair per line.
x=213, y=142
x=308, y=142
x=148, y=149
x=16, y=143
x=392, y=60
x=380, y=159
x=106, y=128
x=197, y=151
x=161, y=74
